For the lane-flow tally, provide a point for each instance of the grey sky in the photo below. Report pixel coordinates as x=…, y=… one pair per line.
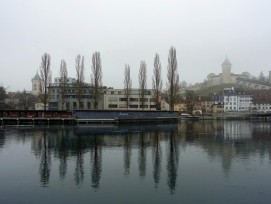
x=128, y=31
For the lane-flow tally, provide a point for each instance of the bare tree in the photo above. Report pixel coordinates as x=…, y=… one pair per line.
x=96, y=77
x=127, y=84
x=63, y=72
x=46, y=77
x=173, y=78
x=142, y=78
x=80, y=70
x=157, y=81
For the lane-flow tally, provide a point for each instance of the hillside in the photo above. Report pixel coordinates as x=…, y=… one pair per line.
x=216, y=89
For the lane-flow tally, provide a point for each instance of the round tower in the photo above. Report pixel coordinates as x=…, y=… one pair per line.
x=226, y=71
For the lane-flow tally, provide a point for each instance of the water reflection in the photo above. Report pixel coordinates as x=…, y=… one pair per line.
x=172, y=162
x=45, y=159
x=157, y=158
x=86, y=146
x=96, y=162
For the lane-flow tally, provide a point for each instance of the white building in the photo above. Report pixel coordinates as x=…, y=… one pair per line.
x=236, y=102
x=115, y=99
x=40, y=106
x=261, y=107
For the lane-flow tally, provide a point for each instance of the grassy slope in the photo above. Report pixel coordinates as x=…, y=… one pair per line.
x=215, y=89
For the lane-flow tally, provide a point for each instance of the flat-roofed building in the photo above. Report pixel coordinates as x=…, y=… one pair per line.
x=115, y=99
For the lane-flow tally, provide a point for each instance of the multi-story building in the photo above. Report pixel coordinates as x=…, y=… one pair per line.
x=115, y=99
x=261, y=101
x=206, y=103
x=218, y=108
x=236, y=102
x=70, y=100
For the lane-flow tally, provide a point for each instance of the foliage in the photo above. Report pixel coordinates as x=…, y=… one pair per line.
x=46, y=77
x=173, y=85
x=96, y=78
x=127, y=84
x=142, y=79
x=157, y=81
x=190, y=100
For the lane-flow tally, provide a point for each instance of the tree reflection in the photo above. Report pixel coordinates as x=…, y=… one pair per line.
x=79, y=167
x=172, y=162
x=142, y=155
x=2, y=138
x=156, y=156
x=62, y=156
x=96, y=162
x=45, y=161
x=127, y=154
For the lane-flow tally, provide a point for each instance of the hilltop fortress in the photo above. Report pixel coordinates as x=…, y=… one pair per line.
x=227, y=77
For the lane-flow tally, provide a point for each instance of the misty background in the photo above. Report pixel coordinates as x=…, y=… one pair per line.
x=203, y=32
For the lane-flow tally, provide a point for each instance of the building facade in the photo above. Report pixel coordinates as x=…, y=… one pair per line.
x=115, y=99
x=66, y=98
x=236, y=102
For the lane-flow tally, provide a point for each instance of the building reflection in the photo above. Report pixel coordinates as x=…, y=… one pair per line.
x=79, y=152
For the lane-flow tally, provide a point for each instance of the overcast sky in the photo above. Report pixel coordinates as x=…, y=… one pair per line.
x=203, y=32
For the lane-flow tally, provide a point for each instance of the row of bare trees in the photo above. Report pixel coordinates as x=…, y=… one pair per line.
x=173, y=84
x=171, y=91
x=96, y=78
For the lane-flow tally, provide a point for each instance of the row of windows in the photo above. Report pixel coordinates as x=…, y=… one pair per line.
x=70, y=97
x=132, y=92
x=130, y=106
x=112, y=99
x=70, y=91
x=245, y=100
x=230, y=103
x=229, y=99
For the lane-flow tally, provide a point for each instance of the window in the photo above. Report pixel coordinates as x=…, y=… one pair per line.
x=112, y=99
x=122, y=106
x=145, y=106
x=112, y=106
x=133, y=99
x=133, y=106
x=122, y=99
x=145, y=99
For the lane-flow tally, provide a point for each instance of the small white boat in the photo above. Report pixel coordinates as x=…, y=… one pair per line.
x=187, y=116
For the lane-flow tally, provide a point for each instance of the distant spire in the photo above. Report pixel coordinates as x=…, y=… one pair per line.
x=226, y=61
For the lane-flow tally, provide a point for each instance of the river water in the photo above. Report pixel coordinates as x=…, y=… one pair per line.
x=189, y=162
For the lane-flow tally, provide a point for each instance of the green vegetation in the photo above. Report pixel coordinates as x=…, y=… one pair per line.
x=206, y=91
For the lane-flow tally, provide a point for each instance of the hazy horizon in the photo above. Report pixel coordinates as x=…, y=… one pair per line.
x=128, y=31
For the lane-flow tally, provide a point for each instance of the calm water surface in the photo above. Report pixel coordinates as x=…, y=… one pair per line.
x=190, y=162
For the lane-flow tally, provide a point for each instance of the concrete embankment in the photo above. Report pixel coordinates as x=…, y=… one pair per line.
x=236, y=116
